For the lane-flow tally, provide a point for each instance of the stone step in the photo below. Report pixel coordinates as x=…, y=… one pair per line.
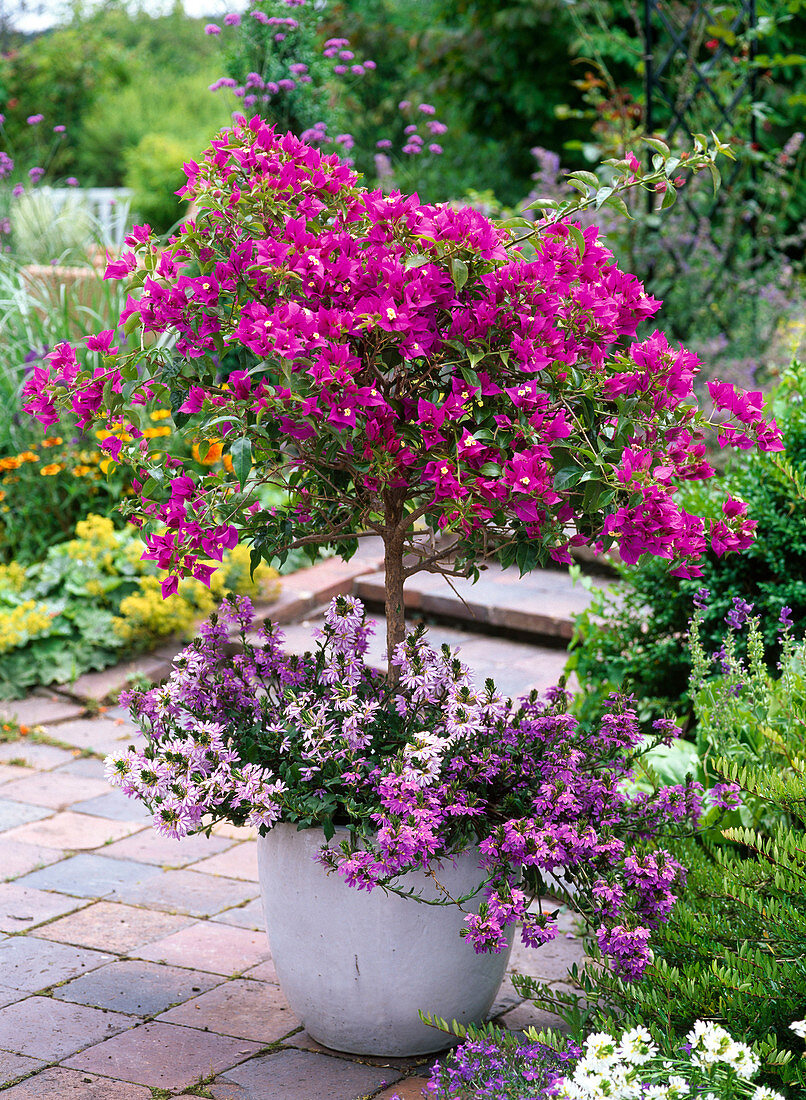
x=539, y=605
x=516, y=667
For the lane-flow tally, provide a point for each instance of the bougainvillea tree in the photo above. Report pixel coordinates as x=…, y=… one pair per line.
x=406, y=371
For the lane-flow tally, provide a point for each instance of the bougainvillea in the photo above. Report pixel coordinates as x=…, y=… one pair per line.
x=418, y=772
x=398, y=362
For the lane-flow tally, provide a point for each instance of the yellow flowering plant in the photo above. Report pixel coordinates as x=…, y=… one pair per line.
x=92, y=600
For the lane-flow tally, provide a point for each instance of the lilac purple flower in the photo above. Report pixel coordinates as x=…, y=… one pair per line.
x=421, y=770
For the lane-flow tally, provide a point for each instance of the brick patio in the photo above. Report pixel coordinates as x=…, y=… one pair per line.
x=131, y=963
x=133, y=967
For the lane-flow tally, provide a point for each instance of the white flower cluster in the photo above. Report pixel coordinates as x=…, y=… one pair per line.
x=632, y=1068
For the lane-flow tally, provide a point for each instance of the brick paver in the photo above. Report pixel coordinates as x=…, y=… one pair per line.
x=34, y=755
x=242, y=1008
x=71, y=831
x=149, y=847
x=239, y=862
x=210, y=946
x=163, y=1056
x=23, y=907
x=13, y=814
x=186, y=892
x=20, y=858
x=410, y=1089
x=136, y=987
x=88, y=875
x=244, y=916
x=13, y=1066
x=27, y=962
x=41, y=1027
x=298, y=1075
x=67, y=1084
x=37, y=710
x=113, y=927
x=55, y=789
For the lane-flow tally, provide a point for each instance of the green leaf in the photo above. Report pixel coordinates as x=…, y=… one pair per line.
x=417, y=260
x=241, y=455
x=658, y=145
x=669, y=198
x=586, y=177
x=715, y=176
x=459, y=273
x=579, y=240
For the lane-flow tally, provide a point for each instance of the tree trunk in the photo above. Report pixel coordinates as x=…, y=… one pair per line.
x=393, y=603
x=394, y=539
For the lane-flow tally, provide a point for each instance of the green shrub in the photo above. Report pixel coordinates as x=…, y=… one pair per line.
x=632, y=637
x=93, y=599
x=154, y=173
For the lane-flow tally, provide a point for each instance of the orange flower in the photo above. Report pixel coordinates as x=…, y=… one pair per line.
x=213, y=454
x=54, y=441
x=51, y=468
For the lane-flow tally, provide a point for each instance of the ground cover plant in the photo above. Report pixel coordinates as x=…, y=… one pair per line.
x=734, y=947
x=619, y=1064
x=92, y=600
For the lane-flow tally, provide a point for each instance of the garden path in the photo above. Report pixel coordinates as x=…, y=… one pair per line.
x=134, y=967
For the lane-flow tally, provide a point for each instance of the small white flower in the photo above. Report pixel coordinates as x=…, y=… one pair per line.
x=677, y=1088
x=742, y=1059
x=799, y=1027
x=637, y=1046
x=763, y=1093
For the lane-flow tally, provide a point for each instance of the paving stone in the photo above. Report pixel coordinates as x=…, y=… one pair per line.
x=163, y=1056
x=110, y=681
x=55, y=789
x=212, y=947
x=527, y=1015
x=72, y=831
x=58, y=1083
x=39, y=711
x=14, y=1066
x=541, y=603
x=88, y=875
x=13, y=814
x=112, y=927
x=18, y=858
x=298, y=1075
x=89, y=766
x=507, y=998
x=27, y=962
x=239, y=862
x=245, y=1009
x=244, y=916
x=264, y=972
x=23, y=907
x=102, y=735
x=116, y=806
x=44, y=1028
x=186, y=892
x=235, y=832
x=551, y=962
x=138, y=988
x=149, y=847
x=42, y=757
x=8, y=772
x=410, y=1089
x=301, y=1040
x=8, y=995
x=516, y=667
